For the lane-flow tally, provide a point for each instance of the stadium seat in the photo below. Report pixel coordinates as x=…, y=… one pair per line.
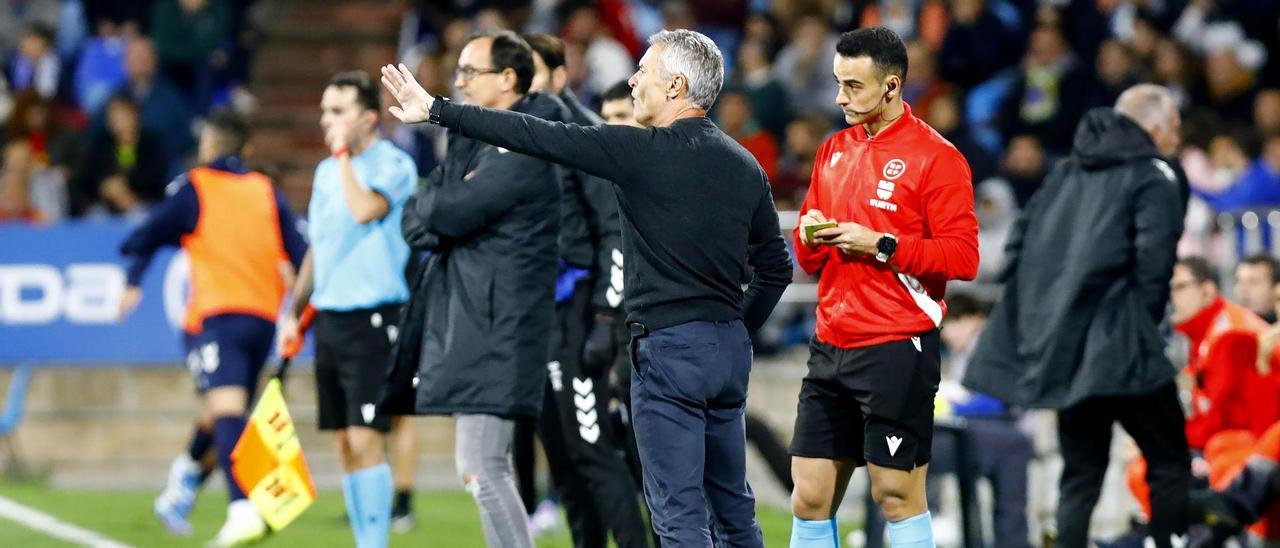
x=11, y=416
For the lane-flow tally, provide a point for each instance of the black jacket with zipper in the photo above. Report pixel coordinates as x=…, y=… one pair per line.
x=475, y=334
x=1087, y=280
x=603, y=221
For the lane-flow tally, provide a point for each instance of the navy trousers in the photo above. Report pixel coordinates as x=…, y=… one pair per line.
x=688, y=395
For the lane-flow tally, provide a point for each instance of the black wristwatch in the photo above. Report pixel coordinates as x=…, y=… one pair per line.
x=437, y=106
x=885, y=247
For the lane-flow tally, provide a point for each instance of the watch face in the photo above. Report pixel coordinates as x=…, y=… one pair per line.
x=886, y=245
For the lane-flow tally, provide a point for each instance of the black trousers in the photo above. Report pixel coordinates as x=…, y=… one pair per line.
x=584, y=449
x=1155, y=421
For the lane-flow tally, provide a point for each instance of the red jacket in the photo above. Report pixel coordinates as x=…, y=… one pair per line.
x=907, y=181
x=1227, y=392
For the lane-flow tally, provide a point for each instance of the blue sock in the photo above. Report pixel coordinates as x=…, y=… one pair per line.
x=815, y=534
x=372, y=493
x=913, y=532
x=353, y=508
x=226, y=432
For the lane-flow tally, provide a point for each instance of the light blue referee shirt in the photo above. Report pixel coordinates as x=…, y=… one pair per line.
x=360, y=266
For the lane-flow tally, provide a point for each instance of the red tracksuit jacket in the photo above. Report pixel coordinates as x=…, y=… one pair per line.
x=1228, y=393
x=907, y=181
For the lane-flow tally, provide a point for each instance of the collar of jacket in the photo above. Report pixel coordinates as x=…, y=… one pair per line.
x=1197, y=326
x=896, y=128
x=230, y=164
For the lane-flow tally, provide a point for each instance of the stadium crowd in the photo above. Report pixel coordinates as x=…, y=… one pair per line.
x=100, y=102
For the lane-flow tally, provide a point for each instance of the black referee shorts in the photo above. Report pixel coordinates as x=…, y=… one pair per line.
x=353, y=350
x=871, y=404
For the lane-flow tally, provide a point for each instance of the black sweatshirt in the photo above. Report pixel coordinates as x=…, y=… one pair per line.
x=696, y=209
x=604, y=223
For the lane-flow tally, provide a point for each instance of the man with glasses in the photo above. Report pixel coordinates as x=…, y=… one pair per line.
x=1232, y=385
x=478, y=324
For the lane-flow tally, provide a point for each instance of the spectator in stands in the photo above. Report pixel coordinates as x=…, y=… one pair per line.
x=804, y=136
x=1116, y=72
x=1047, y=99
x=16, y=15
x=997, y=209
x=1143, y=39
x=761, y=29
x=1174, y=70
x=116, y=12
x=804, y=67
x=191, y=37
x=945, y=115
x=1230, y=86
x=607, y=60
x=999, y=451
x=767, y=95
x=977, y=45
x=15, y=195
x=734, y=116
x=925, y=85
x=1219, y=165
x=1258, y=186
x=37, y=65
x=100, y=70
x=49, y=152
x=164, y=112
x=1024, y=167
x=1256, y=278
x=1266, y=111
x=126, y=167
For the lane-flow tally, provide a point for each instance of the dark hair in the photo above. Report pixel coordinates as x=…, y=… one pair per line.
x=548, y=47
x=232, y=130
x=123, y=98
x=24, y=102
x=367, y=94
x=885, y=48
x=1264, y=259
x=1201, y=270
x=40, y=30
x=509, y=51
x=620, y=90
x=961, y=305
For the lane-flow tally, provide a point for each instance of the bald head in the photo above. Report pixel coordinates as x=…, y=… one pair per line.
x=1152, y=107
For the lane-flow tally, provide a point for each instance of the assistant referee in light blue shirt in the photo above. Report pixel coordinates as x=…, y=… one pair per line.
x=354, y=277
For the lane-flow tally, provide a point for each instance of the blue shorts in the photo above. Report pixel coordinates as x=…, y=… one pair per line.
x=230, y=351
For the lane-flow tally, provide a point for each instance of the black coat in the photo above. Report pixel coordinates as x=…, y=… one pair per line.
x=1088, y=274
x=578, y=237
x=475, y=334
x=603, y=220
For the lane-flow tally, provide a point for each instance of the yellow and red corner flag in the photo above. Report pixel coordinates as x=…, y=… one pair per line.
x=268, y=464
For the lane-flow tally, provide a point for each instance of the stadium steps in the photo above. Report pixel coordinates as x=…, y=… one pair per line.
x=304, y=43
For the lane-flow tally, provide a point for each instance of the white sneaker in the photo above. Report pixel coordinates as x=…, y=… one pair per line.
x=545, y=519
x=243, y=526
x=174, y=504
